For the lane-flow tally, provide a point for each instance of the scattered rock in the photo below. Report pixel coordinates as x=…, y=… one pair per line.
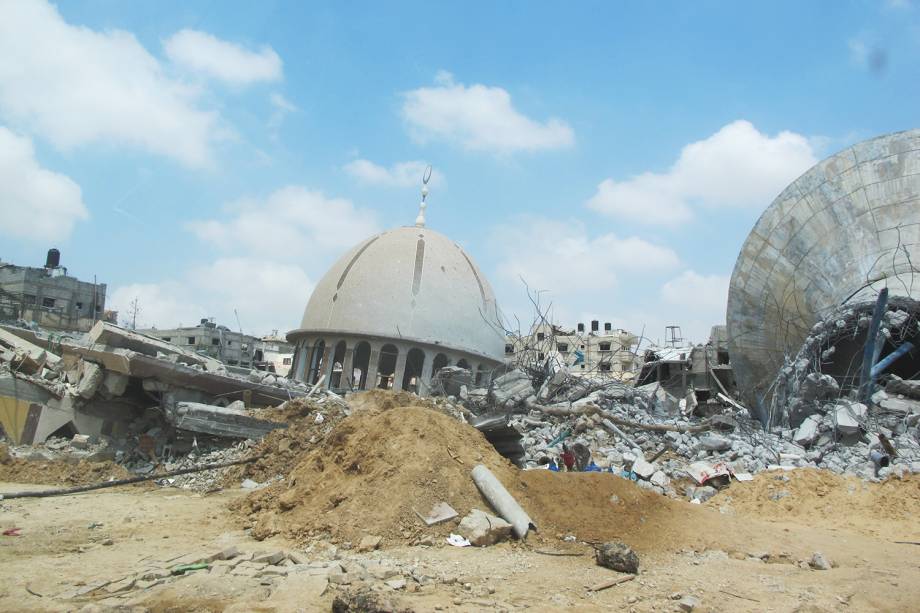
x=819, y=562
x=369, y=543
x=482, y=529
x=617, y=556
x=688, y=603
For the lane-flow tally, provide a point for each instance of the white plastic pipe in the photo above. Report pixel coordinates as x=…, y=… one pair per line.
x=503, y=502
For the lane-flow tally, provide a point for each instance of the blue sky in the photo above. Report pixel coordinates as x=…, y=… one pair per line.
x=211, y=156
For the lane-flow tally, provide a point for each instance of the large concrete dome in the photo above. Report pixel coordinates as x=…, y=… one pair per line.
x=835, y=236
x=412, y=284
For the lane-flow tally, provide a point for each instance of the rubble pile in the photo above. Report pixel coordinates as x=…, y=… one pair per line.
x=119, y=396
x=648, y=435
x=816, y=403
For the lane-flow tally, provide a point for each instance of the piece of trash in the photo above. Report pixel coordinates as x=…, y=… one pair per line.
x=319, y=418
x=12, y=532
x=439, y=512
x=458, y=541
x=701, y=472
x=744, y=476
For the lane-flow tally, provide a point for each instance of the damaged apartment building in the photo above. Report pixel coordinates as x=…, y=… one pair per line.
x=269, y=353
x=611, y=353
x=696, y=372
x=50, y=298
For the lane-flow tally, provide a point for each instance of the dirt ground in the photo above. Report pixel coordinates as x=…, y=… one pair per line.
x=742, y=551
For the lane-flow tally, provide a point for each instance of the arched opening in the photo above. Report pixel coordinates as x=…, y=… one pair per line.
x=415, y=360
x=440, y=361
x=316, y=361
x=386, y=366
x=360, y=363
x=338, y=359
x=463, y=364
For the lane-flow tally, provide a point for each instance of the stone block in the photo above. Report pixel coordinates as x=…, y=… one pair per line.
x=271, y=559
x=807, y=433
x=369, y=543
x=643, y=469
x=482, y=529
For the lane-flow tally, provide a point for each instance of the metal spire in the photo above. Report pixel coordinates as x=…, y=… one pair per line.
x=420, y=220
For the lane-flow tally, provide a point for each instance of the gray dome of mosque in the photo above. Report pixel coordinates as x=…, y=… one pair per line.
x=410, y=283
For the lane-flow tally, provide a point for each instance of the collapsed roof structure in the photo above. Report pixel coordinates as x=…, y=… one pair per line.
x=809, y=275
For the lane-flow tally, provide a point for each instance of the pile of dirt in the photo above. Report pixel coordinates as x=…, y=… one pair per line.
x=59, y=472
x=283, y=449
x=373, y=471
x=599, y=507
x=309, y=422
x=820, y=498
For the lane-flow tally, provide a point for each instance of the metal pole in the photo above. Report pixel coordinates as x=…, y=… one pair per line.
x=871, y=352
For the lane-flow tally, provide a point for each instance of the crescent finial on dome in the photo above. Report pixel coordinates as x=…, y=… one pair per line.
x=420, y=220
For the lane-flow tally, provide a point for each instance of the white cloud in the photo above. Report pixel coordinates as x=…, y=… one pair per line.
x=707, y=294
x=400, y=174
x=208, y=55
x=35, y=203
x=562, y=258
x=267, y=295
x=738, y=166
x=281, y=108
x=270, y=250
x=696, y=302
x=75, y=86
x=162, y=305
x=293, y=219
x=479, y=118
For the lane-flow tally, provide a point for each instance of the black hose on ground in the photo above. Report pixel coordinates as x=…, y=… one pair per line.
x=116, y=483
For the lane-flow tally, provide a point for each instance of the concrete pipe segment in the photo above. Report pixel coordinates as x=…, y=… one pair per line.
x=835, y=236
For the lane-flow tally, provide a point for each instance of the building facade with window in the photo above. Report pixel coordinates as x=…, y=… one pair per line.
x=51, y=298
x=273, y=353
x=207, y=338
x=393, y=310
x=608, y=352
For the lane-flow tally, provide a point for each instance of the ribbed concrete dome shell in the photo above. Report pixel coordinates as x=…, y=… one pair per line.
x=838, y=234
x=409, y=283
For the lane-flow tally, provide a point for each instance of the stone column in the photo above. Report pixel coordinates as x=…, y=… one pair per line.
x=347, y=368
x=328, y=363
x=400, y=371
x=303, y=355
x=372, y=367
x=424, y=385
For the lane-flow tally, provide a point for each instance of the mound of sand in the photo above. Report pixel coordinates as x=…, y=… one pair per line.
x=821, y=498
x=372, y=471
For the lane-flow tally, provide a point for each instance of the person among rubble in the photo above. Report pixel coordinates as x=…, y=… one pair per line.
x=582, y=457
x=568, y=458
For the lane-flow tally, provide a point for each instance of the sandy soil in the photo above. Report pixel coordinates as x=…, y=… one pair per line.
x=743, y=551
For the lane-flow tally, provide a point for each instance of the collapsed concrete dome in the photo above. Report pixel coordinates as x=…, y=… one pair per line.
x=393, y=310
x=831, y=240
